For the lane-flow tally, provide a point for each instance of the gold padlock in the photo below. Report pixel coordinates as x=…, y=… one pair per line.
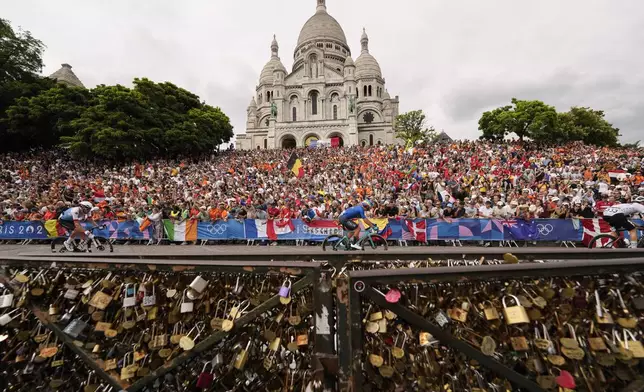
x=514, y=314
x=490, y=311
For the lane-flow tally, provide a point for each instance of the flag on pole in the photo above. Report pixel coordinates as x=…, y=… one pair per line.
x=181, y=231
x=295, y=165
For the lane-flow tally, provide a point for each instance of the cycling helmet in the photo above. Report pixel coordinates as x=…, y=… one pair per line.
x=86, y=205
x=367, y=203
x=639, y=199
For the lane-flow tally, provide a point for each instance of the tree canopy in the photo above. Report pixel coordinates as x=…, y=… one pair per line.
x=540, y=122
x=149, y=120
x=110, y=122
x=410, y=127
x=20, y=54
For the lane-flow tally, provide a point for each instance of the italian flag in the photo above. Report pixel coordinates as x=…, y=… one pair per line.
x=181, y=231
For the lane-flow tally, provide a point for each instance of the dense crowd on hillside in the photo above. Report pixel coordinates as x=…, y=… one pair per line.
x=459, y=179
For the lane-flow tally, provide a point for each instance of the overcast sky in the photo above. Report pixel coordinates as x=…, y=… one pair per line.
x=452, y=58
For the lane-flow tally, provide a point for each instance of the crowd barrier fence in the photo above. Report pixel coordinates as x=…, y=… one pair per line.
x=420, y=230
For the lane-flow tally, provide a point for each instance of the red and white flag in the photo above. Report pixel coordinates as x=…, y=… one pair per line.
x=414, y=230
x=272, y=228
x=594, y=227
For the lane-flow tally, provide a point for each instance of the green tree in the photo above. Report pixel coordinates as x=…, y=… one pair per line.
x=411, y=128
x=20, y=54
x=149, y=120
x=496, y=124
x=11, y=91
x=43, y=119
x=531, y=119
x=588, y=125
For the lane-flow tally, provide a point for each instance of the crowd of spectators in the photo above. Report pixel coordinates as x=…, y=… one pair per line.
x=466, y=179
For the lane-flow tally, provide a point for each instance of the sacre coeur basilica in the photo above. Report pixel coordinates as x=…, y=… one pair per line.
x=327, y=98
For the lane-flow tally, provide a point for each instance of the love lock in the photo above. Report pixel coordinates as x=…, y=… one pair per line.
x=206, y=378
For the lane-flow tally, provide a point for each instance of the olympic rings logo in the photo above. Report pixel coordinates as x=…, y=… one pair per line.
x=545, y=229
x=217, y=229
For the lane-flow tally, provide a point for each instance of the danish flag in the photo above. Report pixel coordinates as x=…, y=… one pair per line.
x=414, y=230
x=594, y=227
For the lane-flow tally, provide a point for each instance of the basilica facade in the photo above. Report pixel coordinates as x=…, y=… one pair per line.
x=327, y=98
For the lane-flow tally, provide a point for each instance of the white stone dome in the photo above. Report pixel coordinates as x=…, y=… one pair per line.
x=367, y=66
x=321, y=26
x=274, y=64
x=266, y=77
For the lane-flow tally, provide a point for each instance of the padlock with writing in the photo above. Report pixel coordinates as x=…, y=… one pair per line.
x=199, y=284
x=71, y=294
x=6, y=299
x=75, y=327
x=206, y=378
x=186, y=305
x=149, y=296
x=441, y=319
x=515, y=314
x=129, y=295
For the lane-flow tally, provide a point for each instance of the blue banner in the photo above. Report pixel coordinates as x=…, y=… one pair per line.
x=416, y=230
x=11, y=230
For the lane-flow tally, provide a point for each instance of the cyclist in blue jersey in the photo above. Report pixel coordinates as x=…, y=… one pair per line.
x=348, y=217
x=71, y=220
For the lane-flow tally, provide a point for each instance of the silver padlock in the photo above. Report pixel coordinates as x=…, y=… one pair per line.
x=186, y=306
x=129, y=296
x=149, y=299
x=8, y=317
x=6, y=299
x=218, y=360
x=441, y=318
x=75, y=328
x=199, y=284
x=71, y=294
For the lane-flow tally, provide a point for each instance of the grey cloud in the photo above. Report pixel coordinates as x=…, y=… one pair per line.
x=452, y=59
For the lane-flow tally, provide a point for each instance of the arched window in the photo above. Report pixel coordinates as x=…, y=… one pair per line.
x=380, y=142
x=365, y=91
x=314, y=102
x=371, y=140
x=335, y=112
x=259, y=99
x=294, y=114
x=363, y=143
x=265, y=144
x=369, y=90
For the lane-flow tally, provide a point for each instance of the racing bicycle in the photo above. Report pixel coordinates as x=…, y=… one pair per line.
x=101, y=244
x=611, y=242
x=342, y=242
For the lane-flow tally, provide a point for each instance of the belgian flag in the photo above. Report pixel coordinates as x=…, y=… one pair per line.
x=295, y=165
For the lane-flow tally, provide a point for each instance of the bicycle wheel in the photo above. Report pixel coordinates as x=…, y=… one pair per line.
x=606, y=241
x=332, y=241
x=104, y=245
x=374, y=241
